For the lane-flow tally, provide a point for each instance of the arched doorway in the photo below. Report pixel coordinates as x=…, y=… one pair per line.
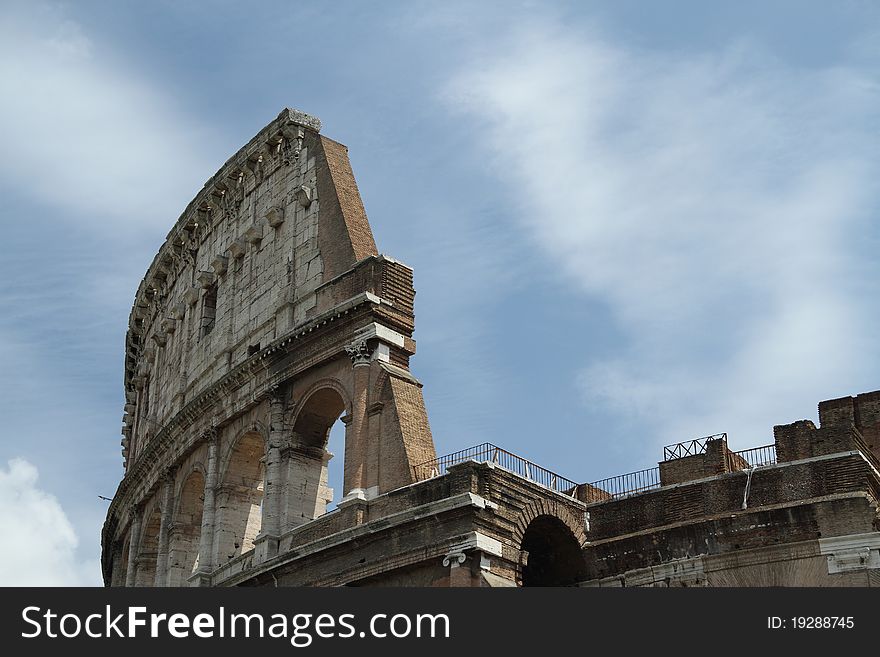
x=186, y=531
x=310, y=490
x=148, y=550
x=240, y=498
x=554, y=554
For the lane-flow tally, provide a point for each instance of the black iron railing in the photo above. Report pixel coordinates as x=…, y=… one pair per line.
x=613, y=488
x=489, y=453
x=752, y=458
x=691, y=447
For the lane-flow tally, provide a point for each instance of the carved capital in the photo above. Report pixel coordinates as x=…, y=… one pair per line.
x=359, y=352
x=454, y=559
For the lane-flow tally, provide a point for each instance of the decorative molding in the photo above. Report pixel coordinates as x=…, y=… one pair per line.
x=254, y=234
x=237, y=248
x=303, y=194
x=206, y=279
x=852, y=552
x=359, y=352
x=454, y=559
x=275, y=216
x=219, y=264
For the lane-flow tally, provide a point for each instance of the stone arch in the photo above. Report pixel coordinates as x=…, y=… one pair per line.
x=306, y=398
x=319, y=408
x=148, y=547
x=186, y=529
x=551, y=539
x=239, y=497
x=195, y=467
x=255, y=427
x=308, y=490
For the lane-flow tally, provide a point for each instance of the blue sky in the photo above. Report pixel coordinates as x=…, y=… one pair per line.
x=631, y=223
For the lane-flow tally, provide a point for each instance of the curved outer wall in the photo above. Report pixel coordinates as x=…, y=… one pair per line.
x=266, y=314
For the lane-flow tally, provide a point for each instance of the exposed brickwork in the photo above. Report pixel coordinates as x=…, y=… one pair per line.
x=344, y=236
x=268, y=314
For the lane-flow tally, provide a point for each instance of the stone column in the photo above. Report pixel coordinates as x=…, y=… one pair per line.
x=270, y=527
x=206, y=540
x=134, y=534
x=354, y=480
x=164, y=528
x=458, y=576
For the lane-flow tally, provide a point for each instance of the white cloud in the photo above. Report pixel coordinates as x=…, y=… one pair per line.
x=85, y=133
x=39, y=546
x=716, y=202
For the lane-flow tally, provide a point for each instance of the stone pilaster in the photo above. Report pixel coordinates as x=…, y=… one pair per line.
x=164, y=528
x=134, y=539
x=266, y=545
x=206, y=541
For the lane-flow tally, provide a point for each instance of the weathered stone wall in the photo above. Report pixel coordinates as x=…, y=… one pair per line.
x=267, y=299
x=268, y=314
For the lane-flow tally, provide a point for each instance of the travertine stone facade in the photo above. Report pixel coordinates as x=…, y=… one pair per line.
x=268, y=314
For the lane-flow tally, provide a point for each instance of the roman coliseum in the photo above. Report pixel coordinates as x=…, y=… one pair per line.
x=268, y=313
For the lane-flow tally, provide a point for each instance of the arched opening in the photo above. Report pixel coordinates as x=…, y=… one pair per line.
x=335, y=445
x=240, y=498
x=554, y=555
x=186, y=532
x=148, y=550
x=310, y=491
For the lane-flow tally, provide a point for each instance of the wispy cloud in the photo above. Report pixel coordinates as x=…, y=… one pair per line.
x=41, y=551
x=84, y=133
x=98, y=164
x=718, y=203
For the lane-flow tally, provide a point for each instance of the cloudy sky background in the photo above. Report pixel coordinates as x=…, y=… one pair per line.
x=631, y=223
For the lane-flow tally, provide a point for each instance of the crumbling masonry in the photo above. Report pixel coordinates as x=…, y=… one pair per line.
x=268, y=314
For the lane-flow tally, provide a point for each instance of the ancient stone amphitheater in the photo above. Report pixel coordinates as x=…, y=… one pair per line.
x=268, y=314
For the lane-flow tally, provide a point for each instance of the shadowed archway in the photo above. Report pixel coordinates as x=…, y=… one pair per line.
x=554, y=554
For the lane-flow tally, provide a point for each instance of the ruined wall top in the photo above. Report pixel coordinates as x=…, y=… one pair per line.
x=242, y=265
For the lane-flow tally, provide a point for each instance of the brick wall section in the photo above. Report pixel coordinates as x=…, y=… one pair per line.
x=406, y=440
x=863, y=411
x=344, y=235
x=801, y=440
x=407, y=554
x=691, y=502
x=397, y=286
x=729, y=535
x=717, y=459
x=378, y=275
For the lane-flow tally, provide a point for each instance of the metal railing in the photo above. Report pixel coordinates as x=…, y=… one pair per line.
x=611, y=488
x=623, y=485
x=489, y=453
x=751, y=458
x=690, y=447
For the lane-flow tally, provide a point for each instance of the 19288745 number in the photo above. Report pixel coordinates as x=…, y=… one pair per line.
x=811, y=623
